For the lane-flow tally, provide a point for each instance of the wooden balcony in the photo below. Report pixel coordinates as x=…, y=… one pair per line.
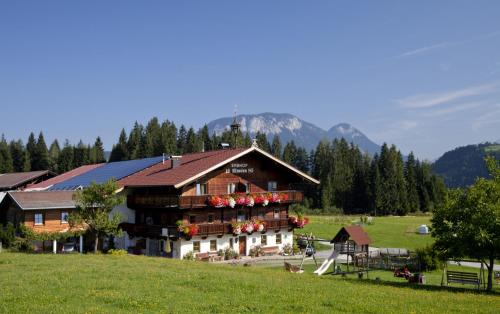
x=185, y=202
x=148, y=231
x=214, y=229
x=204, y=230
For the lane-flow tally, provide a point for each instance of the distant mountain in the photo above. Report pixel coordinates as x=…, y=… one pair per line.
x=461, y=166
x=290, y=127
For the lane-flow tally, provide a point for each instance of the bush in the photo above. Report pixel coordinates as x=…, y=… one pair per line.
x=288, y=249
x=229, y=253
x=22, y=245
x=189, y=256
x=7, y=235
x=428, y=259
x=256, y=251
x=117, y=252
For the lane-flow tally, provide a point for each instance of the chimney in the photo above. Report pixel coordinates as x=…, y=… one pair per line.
x=176, y=160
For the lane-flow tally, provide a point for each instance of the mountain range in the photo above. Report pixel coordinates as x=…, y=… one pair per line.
x=289, y=127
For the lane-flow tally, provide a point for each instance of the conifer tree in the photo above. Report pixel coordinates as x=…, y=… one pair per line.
x=40, y=161
x=6, y=164
x=289, y=152
x=120, y=151
x=191, y=145
x=65, y=161
x=181, y=140
x=262, y=142
x=54, y=152
x=18, y=153
x=97, y=153
x=153, y=138
x=411, y=184
x=31, y=149
x=276, y=146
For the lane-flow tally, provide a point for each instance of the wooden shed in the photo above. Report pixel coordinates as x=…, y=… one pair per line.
x=351, y=240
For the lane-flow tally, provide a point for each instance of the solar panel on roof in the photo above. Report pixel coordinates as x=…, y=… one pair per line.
x=116, y=170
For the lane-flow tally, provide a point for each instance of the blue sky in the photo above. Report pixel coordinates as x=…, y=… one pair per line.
x=423, y=75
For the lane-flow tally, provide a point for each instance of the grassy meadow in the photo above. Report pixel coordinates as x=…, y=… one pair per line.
x=122, y=284
x=390, y=231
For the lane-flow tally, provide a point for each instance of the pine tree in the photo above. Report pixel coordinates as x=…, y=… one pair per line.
x=204, y=138
x=289, y=152
x=411, y=184
x=191, y=145
x=40, y=161
x=80, y=155
x=181, y=140
x=32, y=151
x=120, y=151
x=54, y=152
x=276, y=146
x=18, y=153
x=301, y=160
x=154, y=146
x=136, y=144
x=65, y=160
x=97, y=153
x=262, y=142
x=6, y=164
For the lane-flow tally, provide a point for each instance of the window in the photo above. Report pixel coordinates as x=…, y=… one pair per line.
x=276, y=213
x=213, y=245
x=38, y=219
x=231, y=188
x=192, y=219
x=263, y=239
x=231, y=243
x=278, y=238
x=254, y=240
x=64, y=217
x=201, y=189
x=196, y=246
x=241, y=216
x=210, y=218
x=260, y=213
x=272, y=186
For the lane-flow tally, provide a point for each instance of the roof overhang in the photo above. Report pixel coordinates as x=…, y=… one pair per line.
x=243, y=153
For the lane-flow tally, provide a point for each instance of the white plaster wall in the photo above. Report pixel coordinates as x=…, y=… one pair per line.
x=185, y=246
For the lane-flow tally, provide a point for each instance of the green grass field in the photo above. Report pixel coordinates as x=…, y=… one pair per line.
x=396, y=232
x=114, y=284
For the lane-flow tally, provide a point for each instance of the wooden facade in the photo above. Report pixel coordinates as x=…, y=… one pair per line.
x=252, y=174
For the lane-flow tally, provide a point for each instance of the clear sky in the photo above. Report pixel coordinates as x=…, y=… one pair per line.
x=423, y=75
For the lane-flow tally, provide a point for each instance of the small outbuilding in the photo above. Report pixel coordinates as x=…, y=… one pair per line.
x=351, y=240
x=354, y=242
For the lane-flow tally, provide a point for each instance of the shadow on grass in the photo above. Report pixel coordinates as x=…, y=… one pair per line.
x=405, y=284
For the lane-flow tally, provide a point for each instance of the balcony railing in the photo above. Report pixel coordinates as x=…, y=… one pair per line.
x=199, y=201
x=156, y=231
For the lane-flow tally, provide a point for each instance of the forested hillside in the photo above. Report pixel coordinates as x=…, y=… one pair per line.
x=461, y=166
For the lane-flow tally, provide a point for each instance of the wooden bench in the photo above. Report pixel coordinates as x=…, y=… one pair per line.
x=292, y=268
x=208, y=257
x=270, y=250
x=463, y=278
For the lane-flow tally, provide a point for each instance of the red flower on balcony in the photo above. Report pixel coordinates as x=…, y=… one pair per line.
x=298, y=222
x=241, y=200
x=187, y=230
x=217, y=201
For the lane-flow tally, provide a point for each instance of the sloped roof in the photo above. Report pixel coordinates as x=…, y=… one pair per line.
x=9, y=181
x=62, y=177
x=112, y=170
x=355, y=233
x=43, y=199
x=193, y=166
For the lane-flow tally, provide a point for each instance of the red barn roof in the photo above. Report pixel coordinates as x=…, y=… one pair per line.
x=355, y=233
x=62, y=177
